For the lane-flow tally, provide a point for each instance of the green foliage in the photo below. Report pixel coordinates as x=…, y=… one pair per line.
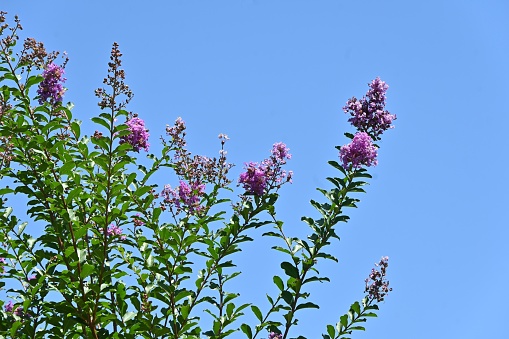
x=81, y=279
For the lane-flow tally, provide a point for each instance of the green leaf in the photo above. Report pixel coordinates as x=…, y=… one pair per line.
x=349, y=135
x=356, y=307
x=101, y=122
x=307, y=305
x=331, y=331
x=82, y=255
x=337, y=166
x=357, y=328
x=34, y=79
x=150, y=261
x=7, y=212
x=21, y=227
x=290, y=270
x=287, y=297
x=344, y=320
x=309, y=221
x=257, y=312
x=247, y=330
x=75, y=127
x=31, y=242
x=128, y=316
x=142, y=190
x=5, y=190
x=279, y=282
x=86, y=270
x=67, y=168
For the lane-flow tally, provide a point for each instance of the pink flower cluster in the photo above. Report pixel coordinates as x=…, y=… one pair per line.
x=138, y=137
x=269, y=174
x=369, y=114
x=115, y=231
x=185, y=196
x=254, y=179
x=371, y=120
x=360, y=151
x=274, y=335
x=51, y=87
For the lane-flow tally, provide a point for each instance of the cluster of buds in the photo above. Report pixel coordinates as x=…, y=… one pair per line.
x=115, y=80
x=6, y=147
x=377, y=286
x=194, y=172
x=137, y=221
x=97, y=135
x=197, y=169
x=177, y=132
x=146, y=305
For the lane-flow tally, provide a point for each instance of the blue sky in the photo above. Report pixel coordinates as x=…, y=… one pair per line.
x=268, y=71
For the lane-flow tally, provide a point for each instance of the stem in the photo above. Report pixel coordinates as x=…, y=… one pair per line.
x=106, y=222
x=313, y=257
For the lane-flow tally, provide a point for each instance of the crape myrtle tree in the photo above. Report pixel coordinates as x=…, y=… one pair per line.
x=121, y=257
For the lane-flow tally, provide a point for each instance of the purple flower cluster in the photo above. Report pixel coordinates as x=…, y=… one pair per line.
x=269, y=174
x=9, y=307
x=2, y=261
x=114, y=231
x=377, y=286
x=280, y=151
x=360, y=151
x=369, y=114
x=138, y=137
x=254, y=178
x=274, y=335
x=51, y=87
x=185, y=196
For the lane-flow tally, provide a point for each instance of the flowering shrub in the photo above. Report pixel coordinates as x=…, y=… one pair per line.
x=122, y=257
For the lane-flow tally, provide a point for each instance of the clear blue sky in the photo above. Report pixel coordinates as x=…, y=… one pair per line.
x=268, y=71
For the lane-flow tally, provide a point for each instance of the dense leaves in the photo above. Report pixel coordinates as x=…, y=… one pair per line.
x=102, y=251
